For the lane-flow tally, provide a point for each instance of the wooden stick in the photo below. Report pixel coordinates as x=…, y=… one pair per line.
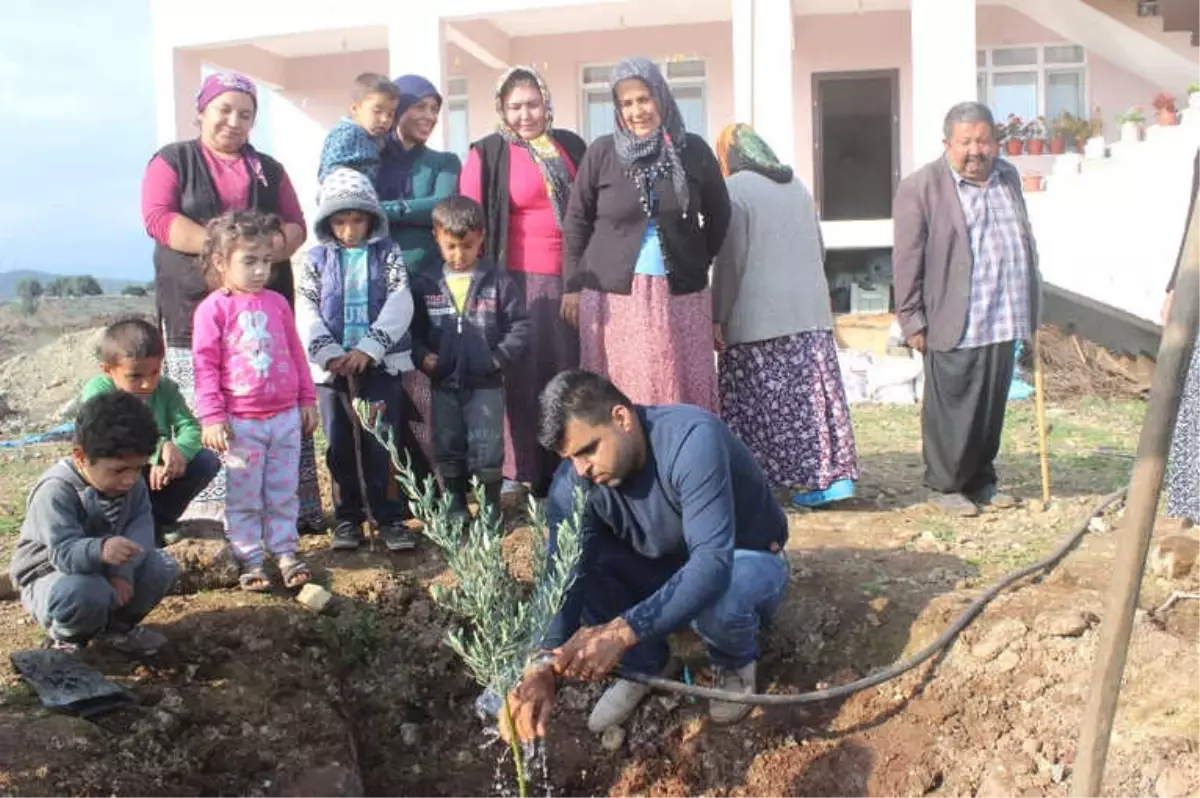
x=1039, y=390
x=1166, y=388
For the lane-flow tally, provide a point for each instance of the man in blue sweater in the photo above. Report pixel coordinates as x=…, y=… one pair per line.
x=680, y=528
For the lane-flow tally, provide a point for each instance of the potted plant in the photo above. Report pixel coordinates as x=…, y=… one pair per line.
x=1095, y=147
x=1081, y=132
x=1165, y=112
x=1131, y=122
x=1031, y=182
x=1061, y=129
x=1035, y=134
x=1011, y=133
x=1193, y=95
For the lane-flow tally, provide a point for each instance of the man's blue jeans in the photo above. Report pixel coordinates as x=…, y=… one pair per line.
x=729, y=627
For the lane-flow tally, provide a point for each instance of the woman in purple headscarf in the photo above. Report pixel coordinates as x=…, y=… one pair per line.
x=413, y=179
x=190, y=182
x=647, y=215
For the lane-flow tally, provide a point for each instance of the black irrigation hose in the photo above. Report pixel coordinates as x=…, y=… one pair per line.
x=943, y=640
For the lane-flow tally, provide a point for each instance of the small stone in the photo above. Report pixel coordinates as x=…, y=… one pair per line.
x=1058, y=772
x=410, y=734
x=613, y=738
x=172, y=701
x=873, y=620
x=668, y=702
x=1065, y=623
x=879, y=604
x=1031, y=746
x=1006, y=661
x=1098, y=525
x=315, y=597
x=1172, y=783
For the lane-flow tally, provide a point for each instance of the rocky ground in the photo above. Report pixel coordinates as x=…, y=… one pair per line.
x=45, y=357
x=258, y=696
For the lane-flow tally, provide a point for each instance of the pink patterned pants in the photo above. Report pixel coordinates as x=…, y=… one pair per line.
x=262, y=500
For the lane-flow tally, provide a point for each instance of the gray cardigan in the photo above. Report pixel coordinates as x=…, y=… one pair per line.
x=769, y=278
x=931, y=254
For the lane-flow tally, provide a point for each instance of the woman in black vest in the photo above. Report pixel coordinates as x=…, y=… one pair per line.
x=522, y=176
x=190, y=182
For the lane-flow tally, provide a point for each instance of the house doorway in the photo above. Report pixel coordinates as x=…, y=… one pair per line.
x=856, y=143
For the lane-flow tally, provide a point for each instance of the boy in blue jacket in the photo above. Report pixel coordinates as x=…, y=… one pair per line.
x=468, y=326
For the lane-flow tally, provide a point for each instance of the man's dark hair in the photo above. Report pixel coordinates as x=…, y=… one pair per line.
x=580, y=395
x=458, y=215
x=133, y=338
x=970, y=112
x=115, y=424
x=369, y=83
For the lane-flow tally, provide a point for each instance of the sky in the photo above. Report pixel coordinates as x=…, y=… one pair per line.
x=76, y=132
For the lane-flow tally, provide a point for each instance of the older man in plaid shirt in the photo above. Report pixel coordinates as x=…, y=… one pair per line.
x=967, y=289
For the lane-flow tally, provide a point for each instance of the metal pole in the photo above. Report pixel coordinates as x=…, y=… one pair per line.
x=1174, y=354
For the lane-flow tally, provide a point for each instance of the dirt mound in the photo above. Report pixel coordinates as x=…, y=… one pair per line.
x=1076, y=368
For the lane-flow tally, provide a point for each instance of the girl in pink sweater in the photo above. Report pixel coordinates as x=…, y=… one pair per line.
x=254, y=394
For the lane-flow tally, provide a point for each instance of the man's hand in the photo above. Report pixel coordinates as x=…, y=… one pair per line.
x=569, y=309
x=355, y=361
x=159, y=478
x=336, y=366
x=173, y=460
x=531, y=703
x=593, y=651
x=123, y=588
x=309, y=420
x=216, y=436
x=429, y=364
x=118, y=550
x=917, y=341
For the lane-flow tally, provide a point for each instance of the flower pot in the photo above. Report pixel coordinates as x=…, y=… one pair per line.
x=1131, y=131
x=1014, y=146
x=1031, y=183
x=1037, y=146
x=1058, y=145
x=1166, y=117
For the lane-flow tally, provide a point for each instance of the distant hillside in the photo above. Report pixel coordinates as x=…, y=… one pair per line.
x=9, y=280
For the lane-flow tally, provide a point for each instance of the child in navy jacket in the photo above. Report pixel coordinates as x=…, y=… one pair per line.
x=469, y=324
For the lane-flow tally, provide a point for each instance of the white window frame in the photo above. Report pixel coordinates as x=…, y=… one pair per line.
x=589, y=89
x=1040, y=67
x=460, y=101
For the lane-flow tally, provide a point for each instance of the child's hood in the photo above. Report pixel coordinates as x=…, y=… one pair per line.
x=345, y=189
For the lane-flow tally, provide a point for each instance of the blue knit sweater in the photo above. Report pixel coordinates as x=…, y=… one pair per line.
x=348, y=145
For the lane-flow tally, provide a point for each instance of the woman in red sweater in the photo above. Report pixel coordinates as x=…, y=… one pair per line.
x=522, y=176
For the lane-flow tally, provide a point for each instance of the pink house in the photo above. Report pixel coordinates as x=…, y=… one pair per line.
x=852, y=92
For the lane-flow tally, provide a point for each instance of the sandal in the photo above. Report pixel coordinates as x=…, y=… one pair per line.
x=295, y=571
x=253, y=579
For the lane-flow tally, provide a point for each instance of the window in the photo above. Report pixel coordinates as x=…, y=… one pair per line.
x=687, y=80
x=458, y=127
x=1033, y=81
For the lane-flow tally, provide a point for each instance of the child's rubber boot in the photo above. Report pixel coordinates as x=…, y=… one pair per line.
x=838, y=491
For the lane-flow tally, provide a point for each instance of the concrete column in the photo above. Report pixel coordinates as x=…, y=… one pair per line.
x=176, y=81
x=416, y=46
x=764, y=93
x=943, y=69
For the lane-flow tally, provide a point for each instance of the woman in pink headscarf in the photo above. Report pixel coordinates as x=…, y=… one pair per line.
x=186, y=184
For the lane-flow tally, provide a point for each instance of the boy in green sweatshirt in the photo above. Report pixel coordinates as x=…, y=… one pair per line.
x=131, y=356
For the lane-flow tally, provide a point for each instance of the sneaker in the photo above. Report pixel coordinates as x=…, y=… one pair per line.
x=347, y=536
x=52, y=643
x=954, y=504
x=169, y=534
x=740, y=680
x=311, y=526
x=397, y=537
x=616, y=705
x=139, y=641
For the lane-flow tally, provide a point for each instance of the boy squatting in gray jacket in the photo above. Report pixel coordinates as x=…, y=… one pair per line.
x=85, y=562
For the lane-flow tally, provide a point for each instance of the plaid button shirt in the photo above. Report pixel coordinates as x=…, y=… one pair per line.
x=998, y=309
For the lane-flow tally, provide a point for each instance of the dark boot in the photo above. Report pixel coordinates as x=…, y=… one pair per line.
x=491, y=496
x=456, y=489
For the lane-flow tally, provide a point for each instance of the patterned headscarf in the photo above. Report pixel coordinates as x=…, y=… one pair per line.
x=739, y=147
x=647, y=159
x=220, y=82
x=542, y=150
